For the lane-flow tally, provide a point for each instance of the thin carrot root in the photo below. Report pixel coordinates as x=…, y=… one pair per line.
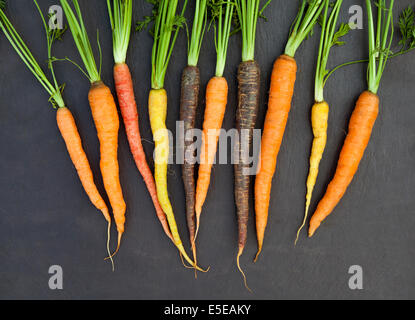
x=184, y=263
x=194, y=255
x=108, y=245
x=258, y=253
x=118, y=247
x=241, y=250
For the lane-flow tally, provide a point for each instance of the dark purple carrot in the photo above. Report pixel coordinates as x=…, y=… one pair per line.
x=249, y=76
x=188, y=106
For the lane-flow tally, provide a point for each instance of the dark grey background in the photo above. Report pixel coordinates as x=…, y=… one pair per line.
x=47, y=219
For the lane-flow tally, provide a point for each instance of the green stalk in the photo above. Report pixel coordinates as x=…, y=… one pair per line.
x=304, y=24
x=248, y=13
x=54, y=90
x=167, y=27
x=379, y=45
x=329, y=38
x=80, y=36
x=198, y=31
x=222, y=13
x=121, y=16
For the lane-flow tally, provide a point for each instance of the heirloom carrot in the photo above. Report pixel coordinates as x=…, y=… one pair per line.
x=190, y=87
x=166, y=29
x=121, y=15
x=249, y=82
x=320, y=110
x=364, y=116
x=64, y=118
x=279, y=105
x=216, y=100
x=104, y=113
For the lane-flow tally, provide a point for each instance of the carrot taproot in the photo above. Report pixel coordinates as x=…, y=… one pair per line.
x=360, y=129
x=249, y=82
x=279, y=105
x=128, y=107
x=320, y=110
x=364, y=115
x=157, y=107
x=105, y=115
x=281, y=91
x=69, y=131
x=121, y=14
x=216, y=101
x=190, y=87
x=64, y=118
x=221, y=14
x=165, y=37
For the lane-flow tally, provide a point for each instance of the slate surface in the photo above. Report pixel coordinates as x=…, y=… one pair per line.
x=46, y=219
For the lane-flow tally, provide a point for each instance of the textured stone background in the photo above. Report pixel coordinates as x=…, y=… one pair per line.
x=46, y=219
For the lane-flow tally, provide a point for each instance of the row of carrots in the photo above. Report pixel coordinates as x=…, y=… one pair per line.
x=225, y=18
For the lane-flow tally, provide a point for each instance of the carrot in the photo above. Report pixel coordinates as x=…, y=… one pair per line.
x=216, y=100
x=105, y=115
x=121, y=18
x=167, y=27
x=64, y=118
x=320, y=110
x=249, y=82
x=279, y=105
x=190, y=87
x=363, y=117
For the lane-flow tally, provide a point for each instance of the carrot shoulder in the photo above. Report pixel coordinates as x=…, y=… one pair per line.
x=128, y=107
x=360, y=129
x=279, y=105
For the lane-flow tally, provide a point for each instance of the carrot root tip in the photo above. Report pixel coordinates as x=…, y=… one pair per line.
x=108, y=245
x=240, y=269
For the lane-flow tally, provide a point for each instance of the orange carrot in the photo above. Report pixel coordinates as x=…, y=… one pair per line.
x=364, y=115
x=104, y=112
x=216, y=100
x=279, y=105
x=280, y=97
x=360, y=130
x=70, y=134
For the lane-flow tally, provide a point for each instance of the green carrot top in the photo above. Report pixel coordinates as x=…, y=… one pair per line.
x=329, y=38
x=121, y=16
x=52, y=87
x=379, y=43
x=304, y=23
x=221, y=13
x=248, y=14
x=198, y=31
x=80, y=36
x=167, y=24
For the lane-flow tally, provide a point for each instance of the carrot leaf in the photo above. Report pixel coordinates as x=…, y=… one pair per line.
x=54, y=90
x=248, y=13
x=198, y=31
x=221, y=14
x=121, y=16
x=380, y=41
x=80, y=36
x=308, y=15
x=329, y=38
x=165, y=30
